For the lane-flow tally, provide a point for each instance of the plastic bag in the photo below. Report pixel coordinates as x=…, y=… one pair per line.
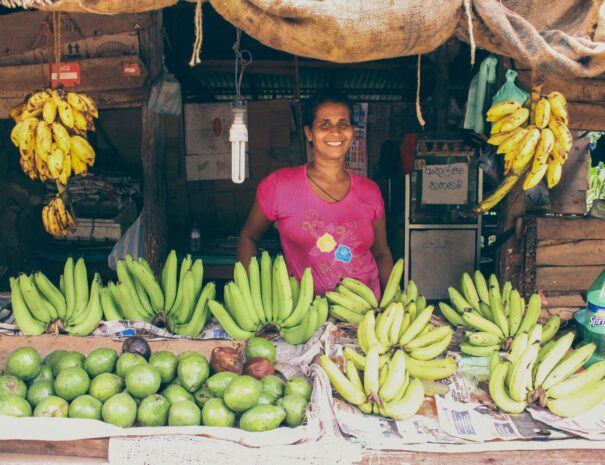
x=477, y=95
x=131, y=243
x=510, y=90
x=165, y=96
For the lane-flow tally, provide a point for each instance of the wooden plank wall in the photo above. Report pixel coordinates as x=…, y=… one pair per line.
x=563, y=256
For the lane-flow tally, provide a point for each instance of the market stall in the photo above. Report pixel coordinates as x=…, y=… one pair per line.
x=133, y=331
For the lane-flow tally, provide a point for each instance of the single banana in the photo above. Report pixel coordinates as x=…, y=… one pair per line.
x=353, y=375
x=111, y=309
x=227, y=322
x=562, y=134
x=37, y=100
x=26, y=322
x=526, y=151
x=297, y=334
x=478, y=351
x=322, y=310
x=255, y=288
x=532, y=313
x=362, y=290
x=49, y=111
x=392, y=283
x=497, y=195
x=369, y=332
x=144, y=276
x=481, y=338
x=520, y=380
x=371, y=376
x=510, y=122
x=542, y=113
x=575, y=383
x=81, y=291
x=395, y=329
x=409, y=404
x=550, y=328
x=515, y=313
x=458, y=300
x=338, y=298
x=395, y=376
x=511, y=142
x=411, y=292
x=417, y=325
x=244, y=316
x=432, y=351
x=502, y=109
x=431, y=337
x=295, y=288
x=92, y=314
x=431, y=369
x=40, y=308
x=469, y=291
x=558, y=105
x=481, y=286
x=551, y=360
x=498, y=392
x=241, y=279
x=475, y=320
x=169, y=280
x=568, y=365
x=284, y=291
x=580, y=402
x=51, y=293
x=450, y=314
x=554, y=171
x=344, y=314
x=495, y=304
x=266, y=285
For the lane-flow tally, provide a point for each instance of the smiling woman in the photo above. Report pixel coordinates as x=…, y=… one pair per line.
x=328, y=218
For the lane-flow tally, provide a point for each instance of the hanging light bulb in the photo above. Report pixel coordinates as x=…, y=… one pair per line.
x=238, y=136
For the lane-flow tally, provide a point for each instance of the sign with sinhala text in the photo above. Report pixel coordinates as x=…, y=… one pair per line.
x=445, y=184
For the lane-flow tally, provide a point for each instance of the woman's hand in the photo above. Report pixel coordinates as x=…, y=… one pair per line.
x=255, y=227
x=381, y=251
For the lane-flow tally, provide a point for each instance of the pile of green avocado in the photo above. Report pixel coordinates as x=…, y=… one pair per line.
x=163, y=389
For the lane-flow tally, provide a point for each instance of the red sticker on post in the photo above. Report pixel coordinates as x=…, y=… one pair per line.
x=70, y=74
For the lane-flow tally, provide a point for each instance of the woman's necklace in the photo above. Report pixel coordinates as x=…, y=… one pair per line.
x=323, y=190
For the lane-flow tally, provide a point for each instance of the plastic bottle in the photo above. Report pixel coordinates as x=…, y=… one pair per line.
x=196, y=238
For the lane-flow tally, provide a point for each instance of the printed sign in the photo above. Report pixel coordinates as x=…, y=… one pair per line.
x=70, y=74
x=445, y=184
x=356, y=158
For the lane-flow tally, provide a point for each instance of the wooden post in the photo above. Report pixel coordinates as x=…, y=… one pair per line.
x=152, y=152
x=509, y=256
x=441, y=93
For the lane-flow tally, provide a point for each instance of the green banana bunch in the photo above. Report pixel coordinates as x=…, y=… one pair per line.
x=530, y=374
x=379, y=385
x=39, y=306
x=352, y=299
x=408, y=328
x=494, y=315
x=179, y=297
x=265, y=297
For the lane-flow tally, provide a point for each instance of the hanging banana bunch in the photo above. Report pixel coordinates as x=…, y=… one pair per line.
x=57, y=218
x=50, y=133
x=535, y=142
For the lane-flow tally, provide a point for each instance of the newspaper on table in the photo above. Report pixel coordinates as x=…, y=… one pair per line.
x=458, y=411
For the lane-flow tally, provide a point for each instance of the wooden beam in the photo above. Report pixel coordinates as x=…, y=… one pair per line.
x=584, y=252
x=287, y=68
x=569, y=229
x=566, y=300
x=577, y=90
x=153, y=149
x=566, y=278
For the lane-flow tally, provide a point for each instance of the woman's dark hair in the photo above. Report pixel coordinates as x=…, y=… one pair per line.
x=321, y=97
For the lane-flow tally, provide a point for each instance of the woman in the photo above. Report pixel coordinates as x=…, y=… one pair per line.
x=328, y=218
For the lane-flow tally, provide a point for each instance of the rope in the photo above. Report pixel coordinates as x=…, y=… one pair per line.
x=57, y=44
x=197, y=45
x=471, y=36
x=418, y=109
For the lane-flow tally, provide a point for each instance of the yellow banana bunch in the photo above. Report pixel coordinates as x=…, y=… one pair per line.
x=534, y=140
x=546, y=376
x=377, y=385
x=57, y=219
x=494, y=316
x=50, y=133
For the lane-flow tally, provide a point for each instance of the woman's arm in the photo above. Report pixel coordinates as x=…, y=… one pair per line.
x=254, y=228
x=381, y=251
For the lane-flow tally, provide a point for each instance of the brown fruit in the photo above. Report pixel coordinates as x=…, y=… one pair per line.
x=136, y=345
x=226, y=359
x=258, y=367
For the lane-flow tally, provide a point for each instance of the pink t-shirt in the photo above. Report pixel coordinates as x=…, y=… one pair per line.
x=333, y=238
